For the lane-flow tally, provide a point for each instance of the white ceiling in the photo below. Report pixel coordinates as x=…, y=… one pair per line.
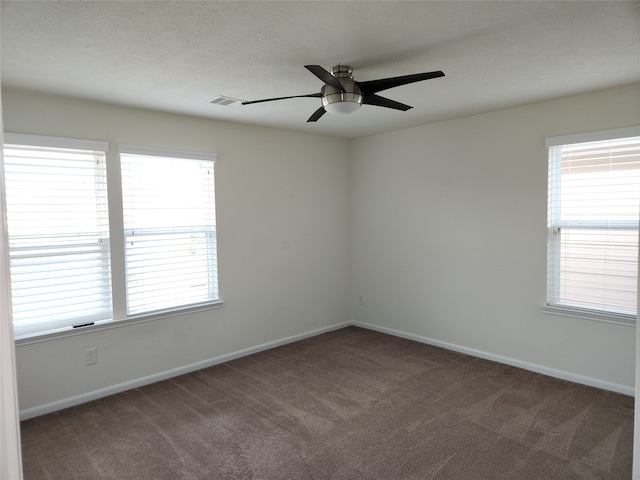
x=179, y=55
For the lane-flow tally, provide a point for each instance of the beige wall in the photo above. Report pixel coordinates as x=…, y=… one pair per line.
x=448, y=236
x=282, y=204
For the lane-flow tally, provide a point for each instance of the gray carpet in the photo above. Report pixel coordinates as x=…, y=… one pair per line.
x=351, y=404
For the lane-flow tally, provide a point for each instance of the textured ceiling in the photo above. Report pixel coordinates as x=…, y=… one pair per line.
x=179, y=55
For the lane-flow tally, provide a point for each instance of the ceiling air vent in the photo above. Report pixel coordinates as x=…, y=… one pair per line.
x=225, y=101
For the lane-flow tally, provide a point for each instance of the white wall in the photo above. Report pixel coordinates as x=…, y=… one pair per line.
x=10, y=448
x=448, y=235
x=282, y=205
x=446, y=225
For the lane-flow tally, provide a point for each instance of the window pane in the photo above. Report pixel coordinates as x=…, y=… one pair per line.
x=598, y=268
x=190, y=258
x=600, y=196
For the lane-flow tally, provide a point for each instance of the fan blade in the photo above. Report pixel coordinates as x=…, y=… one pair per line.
x=375, y=86
x=379, y=101
x=317, y=114
x=311, y=95
x=325, y=76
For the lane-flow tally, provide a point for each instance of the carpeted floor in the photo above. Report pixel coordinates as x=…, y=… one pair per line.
x=351, y=404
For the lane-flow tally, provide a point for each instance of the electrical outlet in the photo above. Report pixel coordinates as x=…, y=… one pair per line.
x=91, y=356
x=360, y=300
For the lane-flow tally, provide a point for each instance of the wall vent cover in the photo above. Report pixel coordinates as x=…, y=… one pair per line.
x=225, y=101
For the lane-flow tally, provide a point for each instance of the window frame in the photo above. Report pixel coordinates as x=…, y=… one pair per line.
x=208, y=231
x=49, y=256
x=554, y=230
x=119, y=317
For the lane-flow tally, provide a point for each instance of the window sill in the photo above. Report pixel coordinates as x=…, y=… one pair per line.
x=586, y=314
x=109, y=324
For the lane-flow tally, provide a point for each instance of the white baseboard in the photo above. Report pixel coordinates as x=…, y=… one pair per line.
x=140, y=382
x=552, y=372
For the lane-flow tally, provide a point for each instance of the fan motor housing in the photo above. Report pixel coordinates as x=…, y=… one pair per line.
x=342, y=102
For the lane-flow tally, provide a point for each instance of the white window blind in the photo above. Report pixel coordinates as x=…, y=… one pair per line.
x=170, y=229
x=593, y=211
x=57, y=219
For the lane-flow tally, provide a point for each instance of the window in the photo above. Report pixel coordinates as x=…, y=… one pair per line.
x=593, y=212
x=65, y=218
x=56, y=195
x=169, y=229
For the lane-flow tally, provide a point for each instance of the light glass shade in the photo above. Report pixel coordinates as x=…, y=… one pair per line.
x=342, y=108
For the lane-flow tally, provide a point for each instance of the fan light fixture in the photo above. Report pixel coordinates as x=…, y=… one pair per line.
x=342, y=107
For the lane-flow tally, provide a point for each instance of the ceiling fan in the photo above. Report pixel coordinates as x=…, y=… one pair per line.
x=341, y=94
